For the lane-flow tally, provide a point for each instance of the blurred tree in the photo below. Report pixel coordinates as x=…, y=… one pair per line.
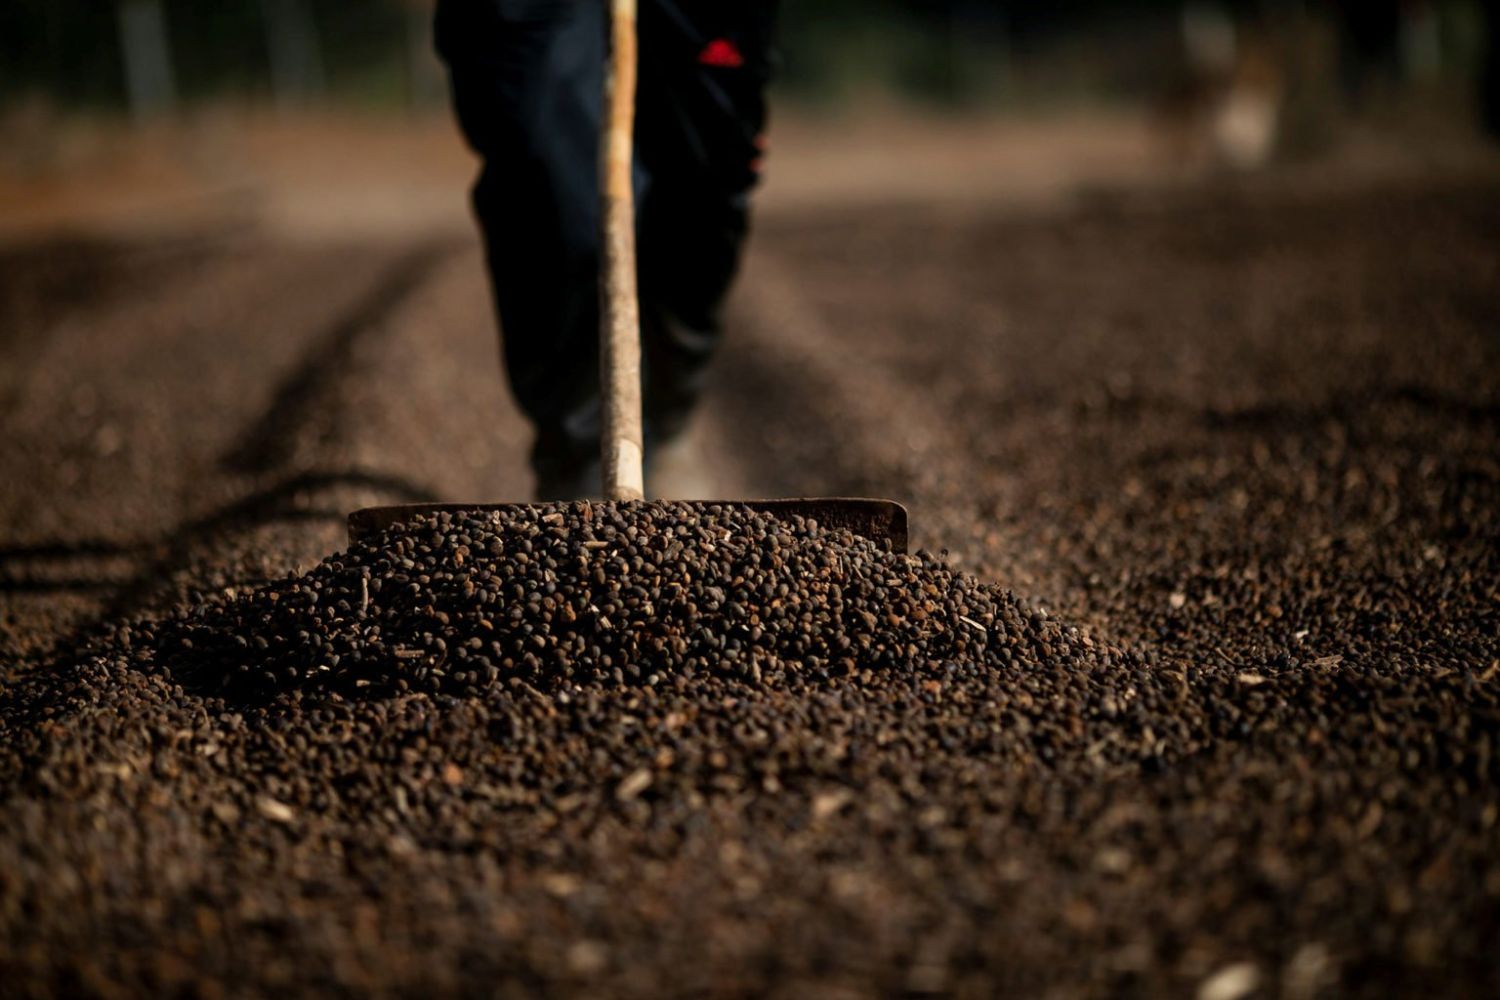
x=296, y=59
x=149, y=80
x=1489, y=81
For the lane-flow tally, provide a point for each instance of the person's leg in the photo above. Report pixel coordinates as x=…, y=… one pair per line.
x=701, y=112
x=527, y=79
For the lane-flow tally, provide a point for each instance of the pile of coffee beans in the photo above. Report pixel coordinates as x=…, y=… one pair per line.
x=568, y=595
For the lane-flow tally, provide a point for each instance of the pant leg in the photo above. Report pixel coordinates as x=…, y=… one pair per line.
x=701, y=112
x=527, y=79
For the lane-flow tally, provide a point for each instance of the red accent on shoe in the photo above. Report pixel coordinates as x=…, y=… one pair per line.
x=721, y=52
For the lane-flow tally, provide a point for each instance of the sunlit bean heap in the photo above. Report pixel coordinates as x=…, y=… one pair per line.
x=594, y=594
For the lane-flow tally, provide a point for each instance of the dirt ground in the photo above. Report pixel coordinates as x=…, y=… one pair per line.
x=1245, y=427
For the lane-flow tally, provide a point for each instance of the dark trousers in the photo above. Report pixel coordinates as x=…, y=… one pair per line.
x=527, y=79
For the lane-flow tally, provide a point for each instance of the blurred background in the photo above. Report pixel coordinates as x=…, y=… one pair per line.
x=134, y=111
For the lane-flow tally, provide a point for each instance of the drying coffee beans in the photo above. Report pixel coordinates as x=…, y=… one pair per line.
x=470, y=716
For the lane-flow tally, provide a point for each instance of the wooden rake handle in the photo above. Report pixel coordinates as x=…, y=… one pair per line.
x=621, y=435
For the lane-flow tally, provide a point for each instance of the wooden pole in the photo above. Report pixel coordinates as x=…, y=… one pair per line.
x=621, y=434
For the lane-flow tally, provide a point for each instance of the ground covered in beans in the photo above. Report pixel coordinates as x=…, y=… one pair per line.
x=1203, y=698
x=500, y=701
